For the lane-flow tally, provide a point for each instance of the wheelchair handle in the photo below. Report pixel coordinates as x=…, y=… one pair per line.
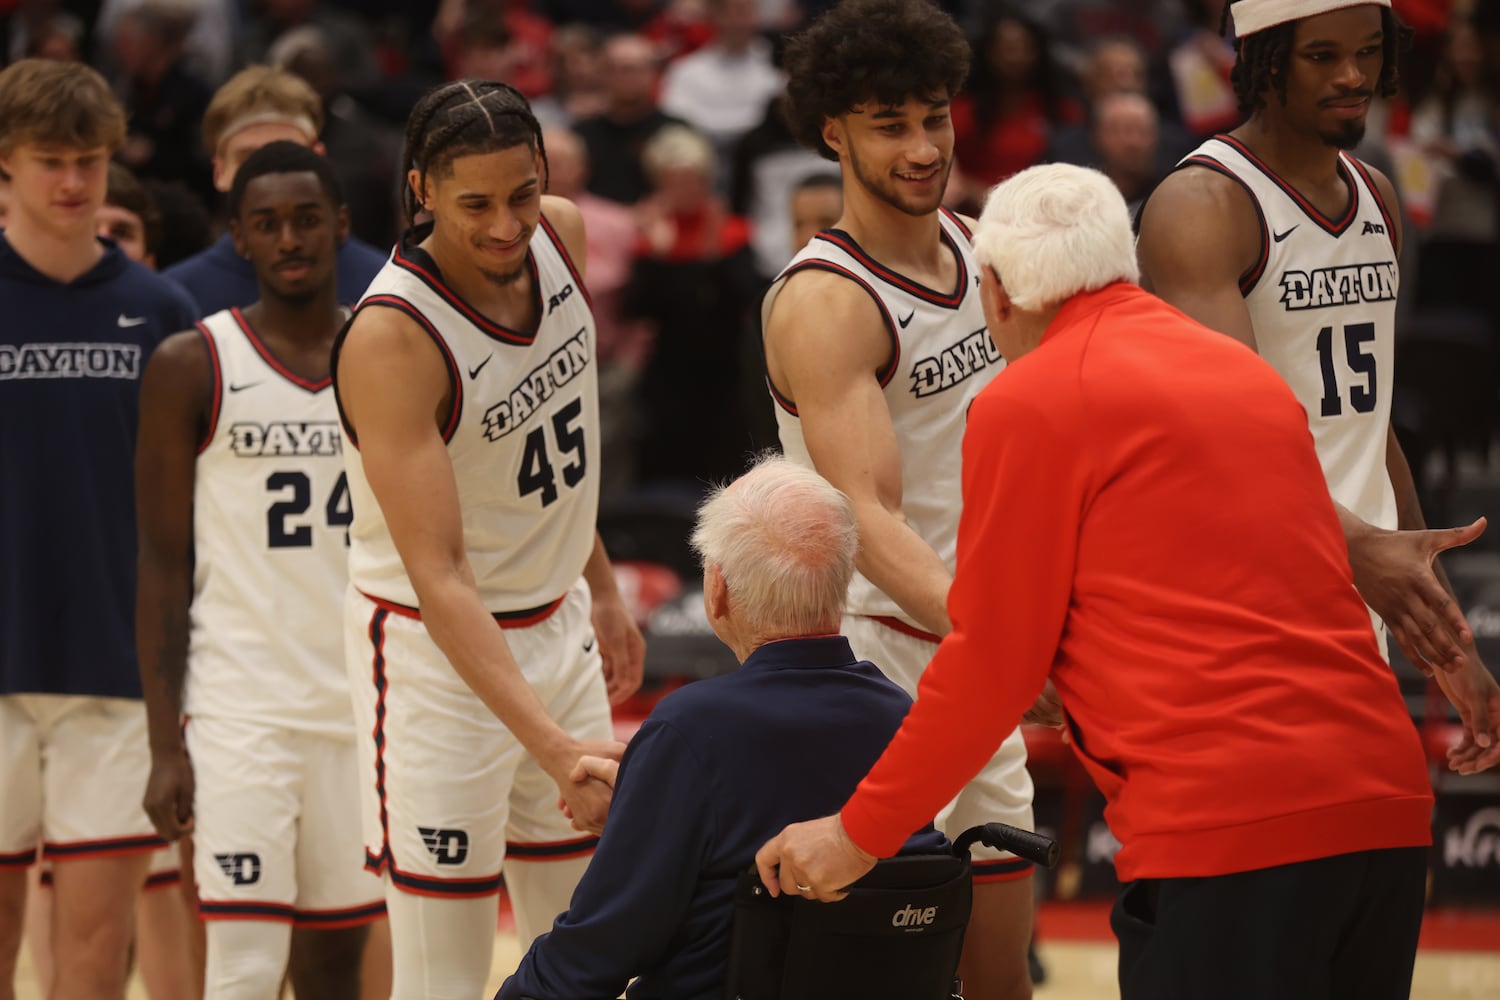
x=1034, y=847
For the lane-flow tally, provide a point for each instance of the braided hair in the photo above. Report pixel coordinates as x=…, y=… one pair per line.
x=1262, y=59
x=464, y=118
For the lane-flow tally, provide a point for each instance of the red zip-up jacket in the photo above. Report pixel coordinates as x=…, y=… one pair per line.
x=1146, y=521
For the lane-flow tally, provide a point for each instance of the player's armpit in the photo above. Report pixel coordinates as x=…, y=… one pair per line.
x=1200, y=237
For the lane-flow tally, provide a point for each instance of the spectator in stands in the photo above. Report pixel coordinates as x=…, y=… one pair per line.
x=616, y=137
x=694, y=278
x=349, y=37
x=1115, y=66
x=722, y=89
x=210, y=43
x=185, y=226
x=523, y=37
x=1199, y=64
x=129, y=217
x=163, y=97
x=1012, y=104
x=364, y=150
x=623, y=342
x=817, y=204
x=57, y=36
x=767, y=167
x=258, y=105
x=577, y=78
x=1127, y=143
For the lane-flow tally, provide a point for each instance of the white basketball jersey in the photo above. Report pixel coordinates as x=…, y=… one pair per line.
x=941, y=357
x=1322, y=302
x=523, y=432
x=271, y=514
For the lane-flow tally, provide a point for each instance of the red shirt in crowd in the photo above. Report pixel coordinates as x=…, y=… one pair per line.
x=1146, y=521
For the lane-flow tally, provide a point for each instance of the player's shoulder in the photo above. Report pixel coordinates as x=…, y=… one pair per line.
x=1196, y=191
x=566, y=221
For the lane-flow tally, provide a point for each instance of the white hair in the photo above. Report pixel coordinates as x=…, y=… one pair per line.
x=1053, y=231
x=784, y=540
x=678, y=146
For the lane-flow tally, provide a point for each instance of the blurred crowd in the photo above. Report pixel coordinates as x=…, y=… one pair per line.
x=662, y=124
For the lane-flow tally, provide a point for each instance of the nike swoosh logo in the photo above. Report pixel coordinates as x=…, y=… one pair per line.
x=1278, y=237
x=243, y=386
x=128, y=321
x=907, y=320
x=474, y=372
x=588, y=646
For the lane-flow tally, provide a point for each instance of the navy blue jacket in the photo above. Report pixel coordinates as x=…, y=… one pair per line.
x=71, y=359
x=718, y=769
x=219, y=278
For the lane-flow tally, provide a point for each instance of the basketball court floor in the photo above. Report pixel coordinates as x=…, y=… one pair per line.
x=1459, y=960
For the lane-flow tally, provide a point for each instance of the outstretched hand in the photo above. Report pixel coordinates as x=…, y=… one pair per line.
x=589, y=787
x=1473, y=691
x=1393, y=571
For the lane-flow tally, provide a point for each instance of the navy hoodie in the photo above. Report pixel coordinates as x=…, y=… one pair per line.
x=71, y=359
x=219, y=278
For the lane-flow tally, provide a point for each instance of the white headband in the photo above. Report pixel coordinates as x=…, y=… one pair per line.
x=265, y=117
x=1251, y=16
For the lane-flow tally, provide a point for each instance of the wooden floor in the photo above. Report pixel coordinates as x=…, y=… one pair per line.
x=1085, y=970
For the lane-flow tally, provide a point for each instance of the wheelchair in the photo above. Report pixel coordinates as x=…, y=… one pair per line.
x=896, y=936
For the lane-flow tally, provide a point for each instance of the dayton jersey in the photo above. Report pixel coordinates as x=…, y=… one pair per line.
x=522, y=432
x=271, y=515
x=1322, y=301
x=941, y=356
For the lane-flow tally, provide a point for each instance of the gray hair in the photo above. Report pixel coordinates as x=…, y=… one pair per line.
x=784, y=540
x=1053, y=231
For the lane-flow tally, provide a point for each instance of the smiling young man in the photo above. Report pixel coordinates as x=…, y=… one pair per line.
x=484, y=634
x=875, y=345
x=81, y=321
x=1276, y=236
x=244, y=520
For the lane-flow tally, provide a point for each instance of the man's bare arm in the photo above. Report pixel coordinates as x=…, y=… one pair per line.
x=825, y=341
x=1199, y=235
x=176, y=394
x=392, y=382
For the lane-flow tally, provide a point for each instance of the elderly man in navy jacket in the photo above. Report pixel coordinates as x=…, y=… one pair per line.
x=724, y=763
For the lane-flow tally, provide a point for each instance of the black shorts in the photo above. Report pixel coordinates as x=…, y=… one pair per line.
x=1339, y=928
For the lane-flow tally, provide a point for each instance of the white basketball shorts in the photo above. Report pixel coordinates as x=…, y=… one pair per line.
x=1000, y=793
x=276, y=832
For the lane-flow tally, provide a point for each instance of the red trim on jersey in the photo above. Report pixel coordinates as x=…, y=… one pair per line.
x=101, y=848
x=524, y=618
x=883, y=375
x=162, y=880
x=1250, y=277
x=553, y=850
x=567, y=258
x=780, y=400
x=332, y=920
x=20, y=859
x=280, y=913
x=455, y=377
x=1364, y=172
x=377, y=664
x=218, y=397
x=897, y=625
x=485, y=325
x=953, y=300
x=1004, y=870
x=427, y=885
x=273, y=361
x=953, y=218
x=1328, y=225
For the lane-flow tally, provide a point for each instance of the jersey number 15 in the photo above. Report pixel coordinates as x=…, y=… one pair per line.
x=1361, y=397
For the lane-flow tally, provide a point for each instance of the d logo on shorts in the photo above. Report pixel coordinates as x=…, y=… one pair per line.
x=450, y=847
x=241, y=869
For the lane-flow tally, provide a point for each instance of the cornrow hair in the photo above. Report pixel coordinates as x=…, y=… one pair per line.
x=463, y=118
x=1262, y=59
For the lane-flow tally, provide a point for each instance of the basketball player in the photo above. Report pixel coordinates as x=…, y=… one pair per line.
x=467, y=387
x=81, y=320
x=875, y=345
x=244, y=519
x=1300, y=264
